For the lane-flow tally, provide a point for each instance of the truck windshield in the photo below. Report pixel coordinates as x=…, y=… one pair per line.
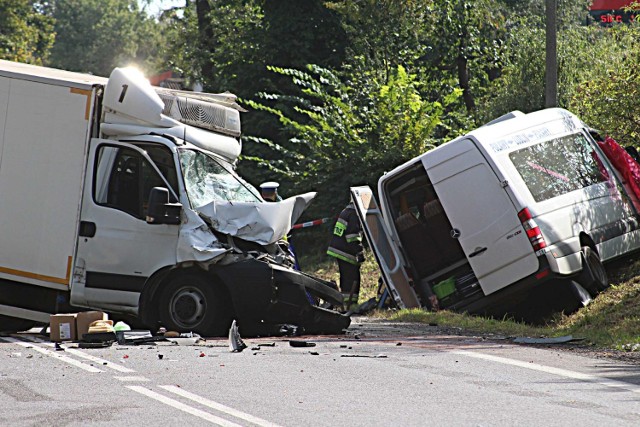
x=208, y=179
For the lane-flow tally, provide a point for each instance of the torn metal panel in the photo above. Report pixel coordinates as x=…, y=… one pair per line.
x=262, y=223
x=196, y=242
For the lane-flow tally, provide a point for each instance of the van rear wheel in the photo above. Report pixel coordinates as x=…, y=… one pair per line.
x=191, y=303
x=594, y=276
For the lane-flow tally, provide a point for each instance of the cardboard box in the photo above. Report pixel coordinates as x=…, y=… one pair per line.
x=84, y=319
x=63, y=327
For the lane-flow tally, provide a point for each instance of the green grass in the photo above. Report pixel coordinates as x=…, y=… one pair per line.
x=612, y=320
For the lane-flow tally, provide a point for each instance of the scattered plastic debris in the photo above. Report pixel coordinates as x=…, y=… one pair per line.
x=188, y=338
x=267, y=344
x=236, y=345
x=631, y=347
x=160, y=356
x=554, y=340
x=298, y=343
x=377, y=356
x=289, y=330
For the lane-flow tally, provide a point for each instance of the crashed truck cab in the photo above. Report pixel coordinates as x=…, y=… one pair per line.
x=171, y=233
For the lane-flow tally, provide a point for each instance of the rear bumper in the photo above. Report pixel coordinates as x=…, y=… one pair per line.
x=266, y=296
x=505, y=298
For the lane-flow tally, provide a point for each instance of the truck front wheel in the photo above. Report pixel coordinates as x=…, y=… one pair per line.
x=190, y=303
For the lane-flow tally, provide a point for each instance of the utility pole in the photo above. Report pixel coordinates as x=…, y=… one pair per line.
x=551, y=75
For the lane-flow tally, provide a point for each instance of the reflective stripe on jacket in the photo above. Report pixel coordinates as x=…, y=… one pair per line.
x=347, y=237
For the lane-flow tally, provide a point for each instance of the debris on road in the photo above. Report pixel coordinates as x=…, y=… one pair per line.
x=554, y=340
x=236, y=345
x=298, y=343
x=188, y=338
x=377, y=356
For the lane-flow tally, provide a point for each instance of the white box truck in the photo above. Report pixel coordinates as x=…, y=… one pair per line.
x=482, y=219
x=123, y=197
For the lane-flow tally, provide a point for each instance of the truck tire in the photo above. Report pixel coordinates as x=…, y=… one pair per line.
x=191, y=303
x=594, y=276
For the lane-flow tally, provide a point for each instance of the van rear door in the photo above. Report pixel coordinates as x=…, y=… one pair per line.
x=482, y=216
x=386, y=253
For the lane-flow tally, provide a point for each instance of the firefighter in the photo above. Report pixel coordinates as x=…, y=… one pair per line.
x=346, y=247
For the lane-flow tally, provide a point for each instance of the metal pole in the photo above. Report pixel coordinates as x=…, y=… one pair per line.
x=551, y=75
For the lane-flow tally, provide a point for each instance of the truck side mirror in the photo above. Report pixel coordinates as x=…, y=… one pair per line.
x=160, y=211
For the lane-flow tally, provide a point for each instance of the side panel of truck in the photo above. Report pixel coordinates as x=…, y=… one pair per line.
x=482, y=216
x=42, y=144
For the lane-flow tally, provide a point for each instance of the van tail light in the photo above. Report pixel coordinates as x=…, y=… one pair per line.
x=533, y=231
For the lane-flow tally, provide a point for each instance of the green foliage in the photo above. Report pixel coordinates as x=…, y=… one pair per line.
x=341, y=143
x=215, y=43
x=26, y=32
x=607, y=98
x=96, y=37
x=584, y=52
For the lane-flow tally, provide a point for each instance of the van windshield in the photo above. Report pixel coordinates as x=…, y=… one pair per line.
x=559, y=166
x=208, y=179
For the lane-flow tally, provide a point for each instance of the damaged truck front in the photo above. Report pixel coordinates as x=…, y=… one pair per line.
x=123, y=197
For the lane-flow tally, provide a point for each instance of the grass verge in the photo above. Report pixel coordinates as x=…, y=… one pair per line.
x=612, y=320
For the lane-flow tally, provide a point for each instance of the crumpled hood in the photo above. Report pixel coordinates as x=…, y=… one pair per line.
x=262, y=223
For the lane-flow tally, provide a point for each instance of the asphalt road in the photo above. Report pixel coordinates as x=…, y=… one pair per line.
x=376, y=375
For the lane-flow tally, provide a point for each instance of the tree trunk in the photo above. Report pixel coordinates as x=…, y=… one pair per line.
x=463, y=81
x=203, y=9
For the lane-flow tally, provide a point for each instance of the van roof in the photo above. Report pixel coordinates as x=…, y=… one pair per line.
x=520, y=123
x=504, y=133
x=49, y=75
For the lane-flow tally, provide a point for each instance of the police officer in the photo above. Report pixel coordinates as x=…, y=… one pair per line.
x=269, y=191
x=346, y=247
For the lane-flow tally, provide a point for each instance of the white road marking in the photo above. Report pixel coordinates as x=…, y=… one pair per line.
x=181, y=406
x=103, y=362
x=555, y=371
x=132, y=379
x=84, y=355
x=218, y=406
x=54, y=354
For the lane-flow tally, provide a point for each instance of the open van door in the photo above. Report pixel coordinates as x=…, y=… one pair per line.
x=385, y=251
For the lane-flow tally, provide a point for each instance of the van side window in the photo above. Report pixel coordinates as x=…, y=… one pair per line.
x=559, y=166
x=123, y=179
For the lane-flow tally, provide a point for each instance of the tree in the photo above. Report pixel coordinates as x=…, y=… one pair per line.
x=96, y=37
x=607, y=97
x=337, y=143
x=26, y=31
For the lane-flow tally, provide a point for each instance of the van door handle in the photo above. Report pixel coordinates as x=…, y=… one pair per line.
x=477, y=252
x=87, y=229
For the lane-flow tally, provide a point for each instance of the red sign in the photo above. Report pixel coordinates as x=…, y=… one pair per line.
x=610, y=4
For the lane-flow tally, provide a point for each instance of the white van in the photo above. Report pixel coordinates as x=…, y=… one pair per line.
x=479, y=220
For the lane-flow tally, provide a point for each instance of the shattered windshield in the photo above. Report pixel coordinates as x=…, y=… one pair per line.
x=211, y=180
